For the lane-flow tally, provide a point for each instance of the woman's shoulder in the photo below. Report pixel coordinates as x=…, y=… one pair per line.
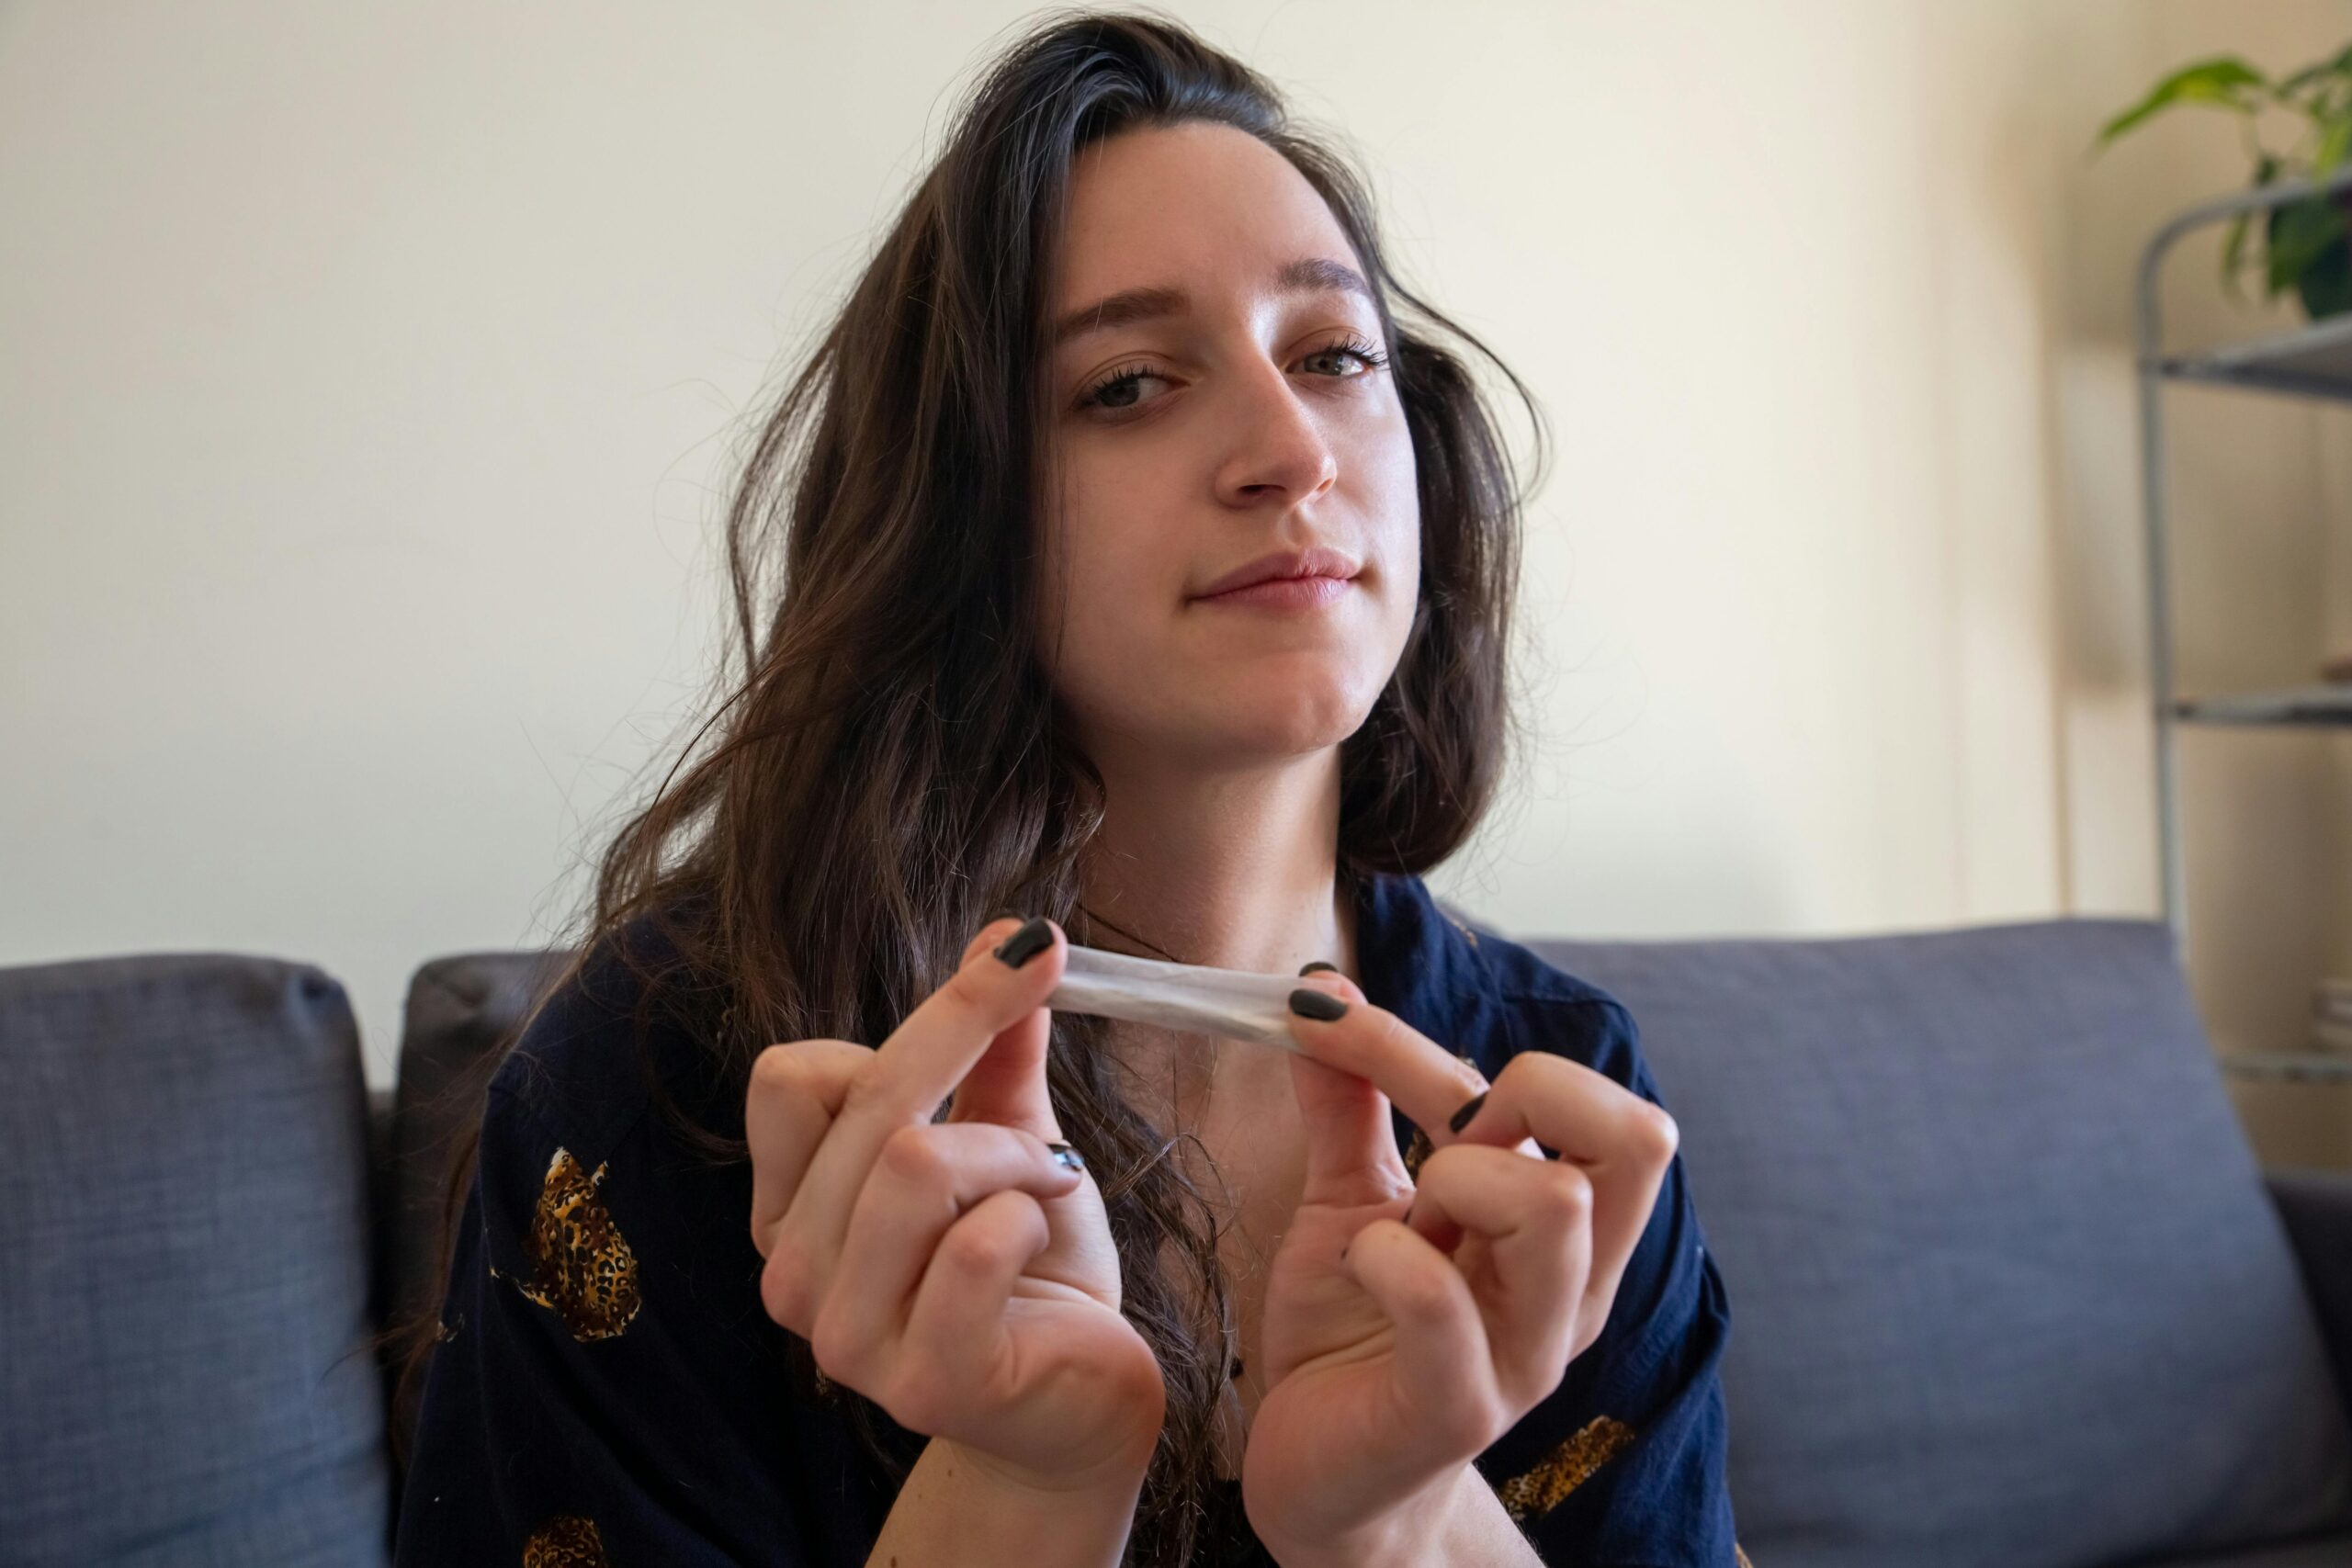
x=625, y=1028
x=1517, y=972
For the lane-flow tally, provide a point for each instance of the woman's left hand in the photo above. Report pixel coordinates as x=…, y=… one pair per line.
x=1391, y=1367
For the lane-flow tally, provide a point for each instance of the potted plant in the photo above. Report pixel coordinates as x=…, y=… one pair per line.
x=2307, y=244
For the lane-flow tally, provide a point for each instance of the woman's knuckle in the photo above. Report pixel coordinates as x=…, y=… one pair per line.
x=778, y=1071
x=913, y=1155
x=1532, y=1074
x=1656, y=1132
x=1567, y=1191
x=968, y=1253
x=784, y=1288
x=834, y=1343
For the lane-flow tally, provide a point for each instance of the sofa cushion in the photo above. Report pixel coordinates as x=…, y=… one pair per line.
x=2006, y=1288
x=2332, y=1551
x=184, y=1373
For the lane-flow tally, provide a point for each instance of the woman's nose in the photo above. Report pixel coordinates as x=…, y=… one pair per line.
x=1278, y=445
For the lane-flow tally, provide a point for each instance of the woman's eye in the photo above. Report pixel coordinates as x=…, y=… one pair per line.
x=1118, y=392
x=1370, y=360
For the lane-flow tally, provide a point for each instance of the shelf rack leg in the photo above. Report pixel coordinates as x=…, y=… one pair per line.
x=2160, y=675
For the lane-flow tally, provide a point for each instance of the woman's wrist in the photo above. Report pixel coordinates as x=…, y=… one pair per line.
x=961, y=1506
x=1119, y=1470
x=1456, y=1518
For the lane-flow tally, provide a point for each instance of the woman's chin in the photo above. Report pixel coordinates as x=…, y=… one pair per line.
x=1270, y=721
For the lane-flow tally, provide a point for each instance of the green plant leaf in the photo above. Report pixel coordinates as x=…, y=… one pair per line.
x=2223, y=82
x=2233, y=256
x=2339, y=66
x=2298, y=232
x=2326, y=286
x=2333, y=145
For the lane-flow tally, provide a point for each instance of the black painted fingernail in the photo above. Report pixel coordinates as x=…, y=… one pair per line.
x=1066, y=1156
x=1318, y=963
x=1462, y=1117
x=1024, y=944
x=1321, y=1006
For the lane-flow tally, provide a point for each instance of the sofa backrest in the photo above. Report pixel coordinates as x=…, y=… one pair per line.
x=2006, y=1291
x=185, y=1367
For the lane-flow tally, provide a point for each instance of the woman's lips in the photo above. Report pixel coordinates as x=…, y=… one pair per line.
x=1284, y=593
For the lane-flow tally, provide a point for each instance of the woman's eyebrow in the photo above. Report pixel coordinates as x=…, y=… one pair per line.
x=1310, y=275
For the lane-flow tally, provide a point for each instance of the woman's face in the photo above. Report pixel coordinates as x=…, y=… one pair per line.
x=1229, y=422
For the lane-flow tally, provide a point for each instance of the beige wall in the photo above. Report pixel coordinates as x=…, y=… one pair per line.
x=369, y=381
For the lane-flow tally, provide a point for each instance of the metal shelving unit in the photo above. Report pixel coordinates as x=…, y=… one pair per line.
x=2299, y=1066
x=2313, y=362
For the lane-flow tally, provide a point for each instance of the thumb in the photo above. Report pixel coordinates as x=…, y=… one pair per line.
x=1351, y=1156
x=1007, y=1085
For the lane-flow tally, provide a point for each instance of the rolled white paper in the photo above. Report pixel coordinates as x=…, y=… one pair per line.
x=1231, y=1002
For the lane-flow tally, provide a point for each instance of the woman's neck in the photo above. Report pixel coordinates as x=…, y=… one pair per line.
x=1236, y=871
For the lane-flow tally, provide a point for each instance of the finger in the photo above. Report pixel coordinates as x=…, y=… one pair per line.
x=998, y=983
x=1007, y=1085
x=1427, y=1082
x=924, y=1181
x=955, y=1335
x=924, y=1058
x=796, y=1090
x=1351, y=1154
x=1530, y=1283
x=1622, y=1142
x=1444, y=1370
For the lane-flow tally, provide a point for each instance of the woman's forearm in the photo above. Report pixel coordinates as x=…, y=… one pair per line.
x=959, y=1507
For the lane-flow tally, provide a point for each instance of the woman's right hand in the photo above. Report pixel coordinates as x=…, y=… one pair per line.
x=953, y=1271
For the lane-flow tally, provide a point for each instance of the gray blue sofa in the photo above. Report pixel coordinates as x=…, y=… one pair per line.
x=2009, y=1289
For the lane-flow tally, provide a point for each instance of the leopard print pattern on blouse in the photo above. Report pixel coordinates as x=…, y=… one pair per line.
x=568, y=1540
x=1563, y=1470
x=582, y=1269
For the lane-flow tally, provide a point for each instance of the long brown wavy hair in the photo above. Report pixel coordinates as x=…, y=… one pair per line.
x=887, y=770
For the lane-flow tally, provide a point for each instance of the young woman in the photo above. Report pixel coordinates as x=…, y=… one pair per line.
x=1145, y=583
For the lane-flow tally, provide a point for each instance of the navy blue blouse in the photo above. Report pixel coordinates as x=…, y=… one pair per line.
x=609, y=1391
